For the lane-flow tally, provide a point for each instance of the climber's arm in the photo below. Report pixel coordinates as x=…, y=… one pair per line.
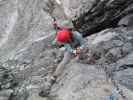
x=69, y=48
x=80, y=38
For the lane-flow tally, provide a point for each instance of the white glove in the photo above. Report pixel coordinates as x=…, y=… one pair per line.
x=74, y=51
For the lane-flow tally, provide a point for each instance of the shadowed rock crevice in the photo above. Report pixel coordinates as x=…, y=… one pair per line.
x=103, y=14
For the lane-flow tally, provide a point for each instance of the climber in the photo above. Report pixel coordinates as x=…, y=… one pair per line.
x=73, y=43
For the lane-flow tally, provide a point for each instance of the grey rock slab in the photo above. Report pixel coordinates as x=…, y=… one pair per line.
x=81, y=82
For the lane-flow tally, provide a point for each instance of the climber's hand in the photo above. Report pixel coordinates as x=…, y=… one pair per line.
x=77, y=51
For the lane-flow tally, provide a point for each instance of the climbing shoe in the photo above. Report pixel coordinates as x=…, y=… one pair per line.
x=53, y=80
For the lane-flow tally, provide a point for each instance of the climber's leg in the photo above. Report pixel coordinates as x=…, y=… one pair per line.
x=61, y=66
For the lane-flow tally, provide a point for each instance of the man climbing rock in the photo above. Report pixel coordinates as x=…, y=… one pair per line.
x=73, y=43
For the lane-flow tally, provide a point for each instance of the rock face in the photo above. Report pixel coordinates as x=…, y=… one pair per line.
x=103, y=14
x=111, y=45
x=27, y=61
x=26, y=21
x=86, y=82
x=76, y=7
x=127, y=21
x=82, y=82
